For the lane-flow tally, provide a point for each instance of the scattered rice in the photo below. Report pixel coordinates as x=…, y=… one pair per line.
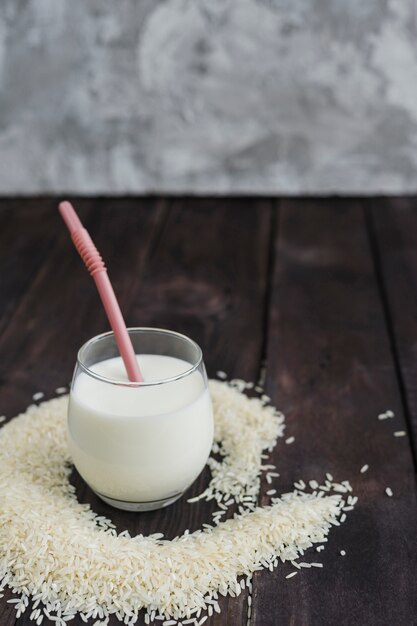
x=340, y=488
x=388, y=491
x=343, y=552
x=244, y=427
x=290, y=440
x=38, y=396
x=53, y=548
x=2, y=418
x=400, y=433
x=291, y=575
x=60, y=390
x=221, y=374
x=300, y=484
x=387, y=415
x=352, y=500
x=364, y=468
x=271, y=492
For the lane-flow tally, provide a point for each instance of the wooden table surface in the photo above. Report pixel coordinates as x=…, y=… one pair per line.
x=319, y=297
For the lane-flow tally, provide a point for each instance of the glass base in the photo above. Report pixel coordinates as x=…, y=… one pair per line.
x=151, y=505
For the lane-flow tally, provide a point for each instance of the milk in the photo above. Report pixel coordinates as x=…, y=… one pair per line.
x=140, y=444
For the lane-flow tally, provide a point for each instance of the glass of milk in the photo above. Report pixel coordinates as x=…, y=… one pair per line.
x=139, y=446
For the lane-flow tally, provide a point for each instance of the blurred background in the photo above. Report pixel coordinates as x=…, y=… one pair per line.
x=289, y=97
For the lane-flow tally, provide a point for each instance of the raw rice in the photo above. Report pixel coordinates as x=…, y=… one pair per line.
x=364, y=468
x=38, y=396
x=300, y=485
x=70, y=560
x=400, y=433
x=244, y=427
x=388, y=491
x=290, y=440
x=388, y=414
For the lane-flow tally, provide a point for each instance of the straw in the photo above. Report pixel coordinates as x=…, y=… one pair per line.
x=98, y=271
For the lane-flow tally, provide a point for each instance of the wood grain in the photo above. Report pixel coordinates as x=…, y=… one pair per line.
x=393, y=231
x=26, y=236
x=329, y=367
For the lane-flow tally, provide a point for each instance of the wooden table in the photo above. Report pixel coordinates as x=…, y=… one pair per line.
x=318, y=297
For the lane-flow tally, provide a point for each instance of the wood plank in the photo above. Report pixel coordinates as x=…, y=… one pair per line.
x=330, y=369
x=202, y=271
x=393, y=230
x=206, y=279
x=26, y=236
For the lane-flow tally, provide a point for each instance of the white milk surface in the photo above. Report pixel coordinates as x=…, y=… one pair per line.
x=139, y=444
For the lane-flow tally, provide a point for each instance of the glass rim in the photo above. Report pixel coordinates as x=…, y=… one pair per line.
x=138, y=384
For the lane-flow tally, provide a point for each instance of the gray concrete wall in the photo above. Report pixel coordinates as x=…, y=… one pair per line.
x=208, y=96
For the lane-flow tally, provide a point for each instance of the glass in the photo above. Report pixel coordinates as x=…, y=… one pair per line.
x=139, y=446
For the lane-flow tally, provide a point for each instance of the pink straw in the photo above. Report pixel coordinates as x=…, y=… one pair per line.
x=98, y=271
